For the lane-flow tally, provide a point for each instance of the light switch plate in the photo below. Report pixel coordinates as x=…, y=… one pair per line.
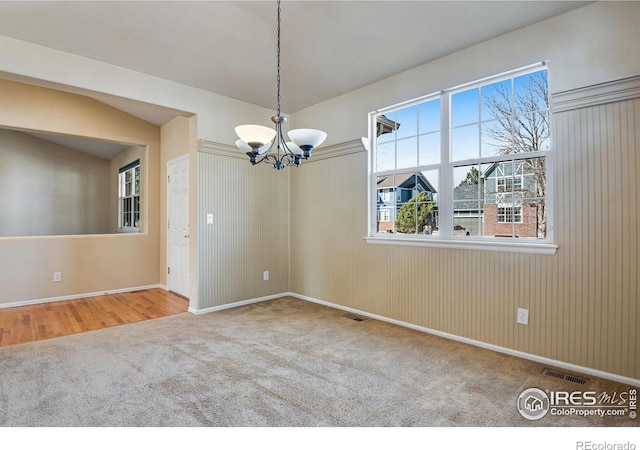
x=523, y=316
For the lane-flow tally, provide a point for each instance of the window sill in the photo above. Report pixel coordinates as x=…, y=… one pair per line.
x=539, y=248
x=129, y=230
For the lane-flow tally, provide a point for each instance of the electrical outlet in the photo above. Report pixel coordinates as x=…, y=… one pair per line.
x=265, y=275
x=209, y=219
x=57, y=277
x=523, y=316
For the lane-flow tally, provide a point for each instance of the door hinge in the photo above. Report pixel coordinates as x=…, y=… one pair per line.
x=168, y=178
x=168, y=270
x=168, y=224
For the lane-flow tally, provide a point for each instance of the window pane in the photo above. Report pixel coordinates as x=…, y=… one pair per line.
x=496, y=100
x=428, y=204
x=414, y=205
x=386, y=201
x=429, y=114
x=407, y=153
x=531, y=132
x=429, y=146
x=407, y=120
x=385, y=156
x=465, y=143
x=126, y=212
x=137, y=181
x=416, y=197
x=464, y=107
x=531, y=92
x=467, y=201
x=496, y=137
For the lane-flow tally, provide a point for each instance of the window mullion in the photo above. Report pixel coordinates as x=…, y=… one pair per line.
x=445, y=196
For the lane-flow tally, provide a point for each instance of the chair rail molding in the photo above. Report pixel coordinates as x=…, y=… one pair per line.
x=596, y=94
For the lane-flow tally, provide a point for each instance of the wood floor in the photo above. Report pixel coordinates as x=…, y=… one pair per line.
x=23, y=324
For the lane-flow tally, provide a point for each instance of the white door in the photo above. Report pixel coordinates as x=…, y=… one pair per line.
x=178, y=225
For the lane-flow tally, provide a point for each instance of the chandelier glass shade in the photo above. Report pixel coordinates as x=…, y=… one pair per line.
x=264, y=144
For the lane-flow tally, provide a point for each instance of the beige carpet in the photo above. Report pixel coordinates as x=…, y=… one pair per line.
x=284, y=362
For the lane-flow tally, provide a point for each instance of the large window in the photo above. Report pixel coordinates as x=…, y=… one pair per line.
x=465, y=165
x=129, y=197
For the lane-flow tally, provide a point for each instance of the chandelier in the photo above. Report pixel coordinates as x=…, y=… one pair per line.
x=264, y=144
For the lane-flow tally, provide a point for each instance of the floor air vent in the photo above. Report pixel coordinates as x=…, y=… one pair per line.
x=354, y=317
x=564, y=376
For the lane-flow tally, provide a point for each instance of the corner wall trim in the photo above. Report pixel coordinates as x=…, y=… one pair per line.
x=216, y=148
x=597, y=94
x=337, y=150
x=77, y=296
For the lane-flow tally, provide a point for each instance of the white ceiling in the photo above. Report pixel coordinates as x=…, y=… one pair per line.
x=101, y=149
x=229, y=47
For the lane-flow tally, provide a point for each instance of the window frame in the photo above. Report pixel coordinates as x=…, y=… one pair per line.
x=122, y=196
x=445, y=238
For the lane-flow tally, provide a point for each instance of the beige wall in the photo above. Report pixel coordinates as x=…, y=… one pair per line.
x=88, y=263
x=582, y=301
x=48, y=189
x=250, y=233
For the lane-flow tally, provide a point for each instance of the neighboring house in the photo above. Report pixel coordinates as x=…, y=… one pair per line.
x=396, y=190
x=511, y=200
x=506, y=203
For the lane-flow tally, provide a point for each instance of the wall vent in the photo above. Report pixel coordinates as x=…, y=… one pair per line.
x=354, y=317
x=564, y=376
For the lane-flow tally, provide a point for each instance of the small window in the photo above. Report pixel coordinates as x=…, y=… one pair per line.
x=129, y=197
x=510, y=214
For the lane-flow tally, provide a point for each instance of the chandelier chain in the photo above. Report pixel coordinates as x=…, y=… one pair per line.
x=278, y=77
x=268, y=147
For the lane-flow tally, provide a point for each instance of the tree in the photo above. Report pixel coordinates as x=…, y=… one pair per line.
x=415, y=214
x=522, y=125
x=471, y=178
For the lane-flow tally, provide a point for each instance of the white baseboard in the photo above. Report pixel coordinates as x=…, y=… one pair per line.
x=236, y=304
x=76, y=296
x=496, y=348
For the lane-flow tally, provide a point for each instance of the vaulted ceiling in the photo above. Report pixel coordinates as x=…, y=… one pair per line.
x=229, y=47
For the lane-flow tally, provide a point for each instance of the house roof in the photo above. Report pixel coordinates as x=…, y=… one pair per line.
x=385, y=125
x=404, y=180
x=466, y=197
